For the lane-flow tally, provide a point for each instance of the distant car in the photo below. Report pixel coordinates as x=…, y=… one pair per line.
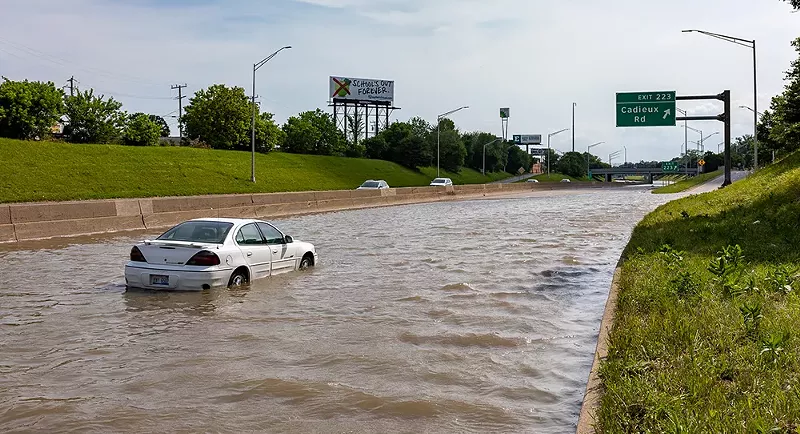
x=442, y=182
x=532, y=180
x=372, y=184
x=206, y=253
x=565, y=180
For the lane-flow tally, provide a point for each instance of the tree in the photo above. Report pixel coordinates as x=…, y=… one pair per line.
x=314, y=132
x=785, y=118
x=376, y=147
x=141, y=130
x=355, y=127
x=403, y=146
x=29, y=109
x=220, y=116
x=496, y=157
x=452, y=151
x=794, y=3
x=517, y=158
x=425, y=131
x=572, y=164
x=553, y=157
x=93, y=119
x=162, y=124
x=268, y=134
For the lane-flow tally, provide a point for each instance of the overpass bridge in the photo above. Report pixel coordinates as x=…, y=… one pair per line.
x=648, y=173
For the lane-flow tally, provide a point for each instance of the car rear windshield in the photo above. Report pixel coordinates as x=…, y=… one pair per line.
x=371, y=184
x=198, y=232
x=439, y=181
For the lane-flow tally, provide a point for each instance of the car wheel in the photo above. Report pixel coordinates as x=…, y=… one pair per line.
x=306, y=262
x=238, y=278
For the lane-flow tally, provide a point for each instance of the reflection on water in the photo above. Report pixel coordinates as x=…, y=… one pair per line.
x=476, y=316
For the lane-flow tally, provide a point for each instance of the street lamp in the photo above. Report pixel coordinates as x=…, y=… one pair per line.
x=612, y=155
x=588, y=149
x=573, y=126
x=626, y=155
x=703, y=141
x=701, y=137
x=483, y=171
x=748, y=44
x=438, y=123
x=548, y=146
x=256, y=66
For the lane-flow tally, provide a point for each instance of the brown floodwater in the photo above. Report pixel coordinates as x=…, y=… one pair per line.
x=474, y=316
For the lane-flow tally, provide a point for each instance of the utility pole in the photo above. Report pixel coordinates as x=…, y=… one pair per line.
x=71, y=86
x=573, y=126
x=180, y=106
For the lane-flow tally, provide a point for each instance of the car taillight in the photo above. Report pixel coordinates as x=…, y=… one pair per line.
x=136, y=255
x=204, y=257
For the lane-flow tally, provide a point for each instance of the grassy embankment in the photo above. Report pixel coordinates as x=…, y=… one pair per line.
x=48, y=171
x=688, y=183
x=707, y=336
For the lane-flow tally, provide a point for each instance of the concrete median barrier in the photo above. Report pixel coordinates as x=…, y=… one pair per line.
x=64, y=228
x=5, y=215
x=166, y=219
x=41, y=212
x=7, y=234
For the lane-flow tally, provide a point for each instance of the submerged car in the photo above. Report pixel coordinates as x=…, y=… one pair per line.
x=442, y=182
x=372, y=184
x=565, y=180
x=532, y=180
x=216, y=252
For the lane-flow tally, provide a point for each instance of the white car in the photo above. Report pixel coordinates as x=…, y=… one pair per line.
x=532, y=180
x=442, y=182
x=216, y=252
x=372, y=184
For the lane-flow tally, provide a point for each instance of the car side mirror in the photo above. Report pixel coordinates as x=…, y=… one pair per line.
x=288, y=239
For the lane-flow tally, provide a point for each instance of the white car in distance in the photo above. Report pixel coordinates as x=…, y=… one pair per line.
x=442, y=182
x=202, y=254
x=372, y=184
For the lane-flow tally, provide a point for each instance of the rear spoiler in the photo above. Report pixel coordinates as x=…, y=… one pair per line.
x=181, y=244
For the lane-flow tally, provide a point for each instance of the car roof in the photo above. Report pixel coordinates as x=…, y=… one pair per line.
x=224, y=220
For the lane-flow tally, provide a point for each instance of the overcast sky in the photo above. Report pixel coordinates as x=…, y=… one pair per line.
x=535, y=56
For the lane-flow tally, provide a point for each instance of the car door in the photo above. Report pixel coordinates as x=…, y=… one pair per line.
x=283, y=253
x=255, y=250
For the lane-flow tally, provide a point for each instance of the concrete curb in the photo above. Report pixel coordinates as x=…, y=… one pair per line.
x=594, y=388
x=43, y=220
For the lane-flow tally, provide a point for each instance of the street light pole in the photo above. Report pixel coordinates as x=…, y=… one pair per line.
x=626, y=155
x=438, y=124
x=483, y=171
x=749, y=44
x=256, y=66
x=548, y=146
x=701, y=137
x=703, y=141
x=588, y=153
x=757, y=114
x=573, y=126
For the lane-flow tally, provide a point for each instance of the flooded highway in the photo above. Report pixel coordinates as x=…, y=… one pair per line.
x=475, y=316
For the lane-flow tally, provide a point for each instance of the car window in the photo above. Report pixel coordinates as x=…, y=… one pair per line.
x=370, y=184
x=272, y=235
x=198, y=232
x=249, y=235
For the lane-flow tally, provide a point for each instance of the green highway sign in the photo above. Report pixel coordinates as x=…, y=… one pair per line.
x=646, y=109
x=669, y=167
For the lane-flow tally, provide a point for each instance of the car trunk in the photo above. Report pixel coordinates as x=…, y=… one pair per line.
x=172, y=252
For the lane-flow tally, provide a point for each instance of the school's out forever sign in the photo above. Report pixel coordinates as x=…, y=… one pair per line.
x=361, y=89
x=646, y=109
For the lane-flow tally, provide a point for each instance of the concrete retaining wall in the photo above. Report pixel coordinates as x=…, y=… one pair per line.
x=31, y=221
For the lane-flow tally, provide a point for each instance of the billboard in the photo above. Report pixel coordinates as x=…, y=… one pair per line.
x=528, y=139
x=361, y=89
x=505, y=113
x=538, y=152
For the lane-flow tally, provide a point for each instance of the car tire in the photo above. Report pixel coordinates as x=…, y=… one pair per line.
x=306, y=262
x=238, y=278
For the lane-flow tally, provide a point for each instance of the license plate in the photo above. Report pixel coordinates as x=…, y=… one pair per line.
x=157, y=279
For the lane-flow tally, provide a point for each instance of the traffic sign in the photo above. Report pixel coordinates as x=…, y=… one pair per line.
x=646, y=109
x=505, y=113
x=701, y=163
x=669, y=167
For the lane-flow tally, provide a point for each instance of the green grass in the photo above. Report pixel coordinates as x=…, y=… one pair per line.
x=704, y=346
x=555, y=177
x=50, y=171
x=688, y=183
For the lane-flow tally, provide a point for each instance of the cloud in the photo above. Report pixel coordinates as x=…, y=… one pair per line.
x=534, y=56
